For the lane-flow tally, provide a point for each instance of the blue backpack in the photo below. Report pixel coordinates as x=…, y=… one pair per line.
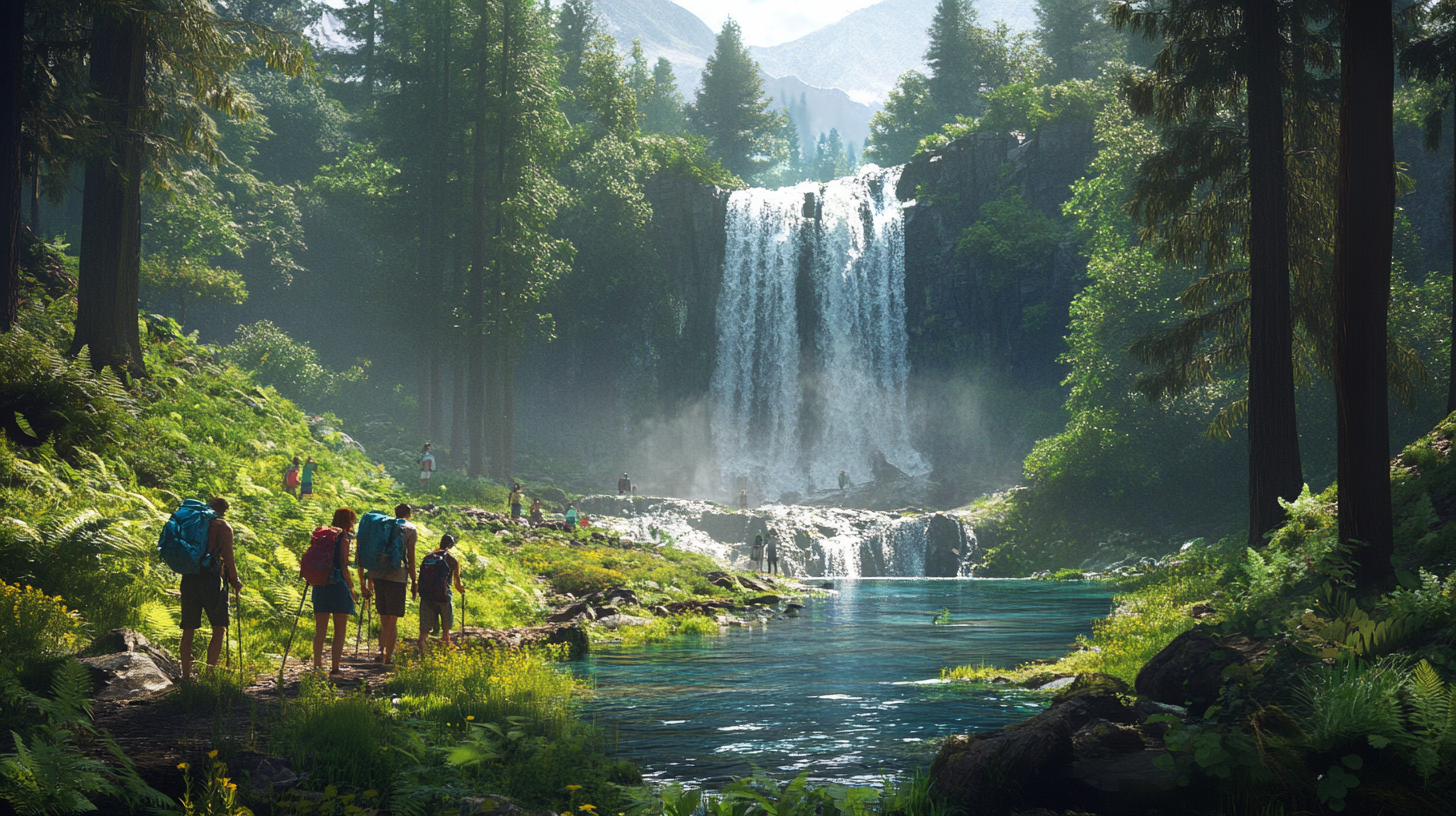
x=183, y=543
x=380, y=543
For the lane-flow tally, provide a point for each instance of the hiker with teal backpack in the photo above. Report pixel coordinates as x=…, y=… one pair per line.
x=438, y=571
x=325, y=565
x=386, y=564
x=198, y=544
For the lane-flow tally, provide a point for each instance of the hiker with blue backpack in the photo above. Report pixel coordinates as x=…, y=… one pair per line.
x=386, y=564
x=198, y=544
x=325, y=565
x=437, y=571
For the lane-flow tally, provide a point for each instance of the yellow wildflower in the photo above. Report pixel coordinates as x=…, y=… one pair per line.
x=212, y=754
x=573, y=787
x=181, y=766
x=587, y=807
x=469, y=717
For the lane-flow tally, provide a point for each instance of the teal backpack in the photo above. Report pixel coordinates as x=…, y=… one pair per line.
x=183, y=543
x=380, y=542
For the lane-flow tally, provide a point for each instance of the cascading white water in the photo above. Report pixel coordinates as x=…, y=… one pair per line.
x=855, y=254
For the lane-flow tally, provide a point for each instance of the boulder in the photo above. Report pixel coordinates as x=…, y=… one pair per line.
x=552, y=494
x=574, y=612
x=266, y=774
x=571, y=634
x=764, y=600
x=125, y=675
x=619, y=620
x=749, y=582
x=1188, y=672
x=1025, y=765
x=128, y=640
x=1100, y=738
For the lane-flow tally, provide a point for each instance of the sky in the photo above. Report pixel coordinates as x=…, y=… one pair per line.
x=770, y=22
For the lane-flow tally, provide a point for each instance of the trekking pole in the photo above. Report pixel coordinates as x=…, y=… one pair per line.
x=464, y=613
x=289, y=645
x=358, y=627
x=238, y=600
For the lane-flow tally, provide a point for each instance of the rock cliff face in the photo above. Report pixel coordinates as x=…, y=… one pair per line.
x=983, y=352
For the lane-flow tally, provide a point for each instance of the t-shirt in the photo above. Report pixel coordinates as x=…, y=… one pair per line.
x=427, y=463
x=308, y=469
x=408, y=535
x=515, y=497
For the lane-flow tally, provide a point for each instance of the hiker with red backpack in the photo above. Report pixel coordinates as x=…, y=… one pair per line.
x=291, y=478
x=437, y=571
x=325, y=565
x=386, y=562
x=197, y=543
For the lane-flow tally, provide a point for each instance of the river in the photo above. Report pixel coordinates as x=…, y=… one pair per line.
x=840, y=691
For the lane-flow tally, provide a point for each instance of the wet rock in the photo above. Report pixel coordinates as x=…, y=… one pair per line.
x=764, y=600
x=128, y=640
x=1188, y=672
x=1201, y=610
x=694, y=607
x=571, y=635
x=266, y=774
x=1100, y=738
x=125, y=675
x=617, y=595
x=1056, y=684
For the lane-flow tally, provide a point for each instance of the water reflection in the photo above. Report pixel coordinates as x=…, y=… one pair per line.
x=841, y=690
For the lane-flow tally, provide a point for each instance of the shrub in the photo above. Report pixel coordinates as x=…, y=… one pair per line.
x=289, y=365
x=35, y=625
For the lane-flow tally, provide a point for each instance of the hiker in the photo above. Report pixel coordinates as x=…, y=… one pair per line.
x=335, y=599
x=309, y=468
x=437, y=571
x=290, y=478
x=538, y=516
x=204, y=591
x=771, y=551
x=571, y=517
x=844, y=481
x=743, y=500
x=624, y=485
x=427, y=466
x=515, y=501
x=757, y=556
x=387, y=587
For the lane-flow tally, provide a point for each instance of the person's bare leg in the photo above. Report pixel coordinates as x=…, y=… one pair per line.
x=320, y=631
x=388, y=636
x=341, y=630
x=186, y=651
x=214, y=647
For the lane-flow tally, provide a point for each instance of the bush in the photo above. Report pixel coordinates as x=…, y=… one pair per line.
x=34, y=625
x=289, y=365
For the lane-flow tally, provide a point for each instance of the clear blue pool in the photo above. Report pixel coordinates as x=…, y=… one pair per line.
x=835, y=691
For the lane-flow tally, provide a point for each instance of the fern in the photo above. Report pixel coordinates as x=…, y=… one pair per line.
x=1432, y=719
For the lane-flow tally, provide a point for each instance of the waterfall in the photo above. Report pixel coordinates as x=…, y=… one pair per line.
x=811, y=359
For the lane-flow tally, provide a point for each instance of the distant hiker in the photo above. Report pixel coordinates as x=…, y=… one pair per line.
x=757, y=553
x=537, y=515
x=624, y=485
x=326, y=566
x=309, y=468
x=771, y=551
x=427, y=466
x=290, y=478
x=571, y=517
x=203, y=591
x=438, y=571
x=843, y=481
x=515, y=501
x=387, y=586
x=743, y=500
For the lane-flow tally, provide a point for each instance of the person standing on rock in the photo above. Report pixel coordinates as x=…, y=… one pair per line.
x=756, y=554
x=771, y=552
x=388, y=587
x=844, y=481
x=537, y=517
x=309, y=469
x=571, y=516
x=427, y=466
x=438, y=571
x=203, y=591
x=515, y=502
x=743, y=500
x=624, y=485
x=290, y=478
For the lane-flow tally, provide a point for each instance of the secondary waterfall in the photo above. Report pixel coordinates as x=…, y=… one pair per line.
x=811, y=359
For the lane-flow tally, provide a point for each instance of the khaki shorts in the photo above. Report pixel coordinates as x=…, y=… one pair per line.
x=389, y=597
x=432, y=612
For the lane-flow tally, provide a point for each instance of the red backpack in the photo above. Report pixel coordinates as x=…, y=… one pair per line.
x=321, y=558
x=290, y=479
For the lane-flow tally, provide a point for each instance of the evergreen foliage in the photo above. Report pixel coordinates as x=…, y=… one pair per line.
x=731, y=110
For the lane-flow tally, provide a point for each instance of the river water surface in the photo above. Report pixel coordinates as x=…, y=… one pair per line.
x=840, y=691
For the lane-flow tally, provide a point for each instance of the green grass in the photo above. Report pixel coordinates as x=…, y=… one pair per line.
x=657, y=630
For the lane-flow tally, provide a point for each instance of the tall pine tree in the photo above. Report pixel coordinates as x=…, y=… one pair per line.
x=731, y=110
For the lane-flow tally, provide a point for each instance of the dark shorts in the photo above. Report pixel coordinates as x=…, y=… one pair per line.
x=389, y=597
x=432, y=612
x=333, y=599
x=515, y=511
x=201, y=593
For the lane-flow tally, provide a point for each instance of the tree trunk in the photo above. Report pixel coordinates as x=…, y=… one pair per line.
x=110, y=269
x=475, y=337
x=12, y=45
x=508, y=412
x=1365, y=222
x=1451, y=385
x=499, y=430
x=458, y=419
x=436, y=232
x=1274, y=463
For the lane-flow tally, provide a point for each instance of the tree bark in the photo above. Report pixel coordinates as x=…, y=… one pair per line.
x=1274, y=464
x=110, y=268
x=1365, y=222
x=475, y=338
x=499, y=430
x=12, y=46
x=437, y=235
x=458, y=420
x=508, y=412
x=1451, y=384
